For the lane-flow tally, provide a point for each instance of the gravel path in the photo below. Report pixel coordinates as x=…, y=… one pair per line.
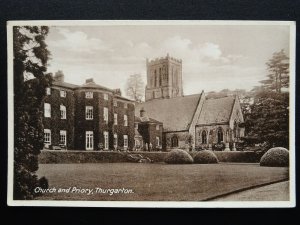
x=273, y=192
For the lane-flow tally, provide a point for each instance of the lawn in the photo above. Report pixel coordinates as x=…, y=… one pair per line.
x=194, y=182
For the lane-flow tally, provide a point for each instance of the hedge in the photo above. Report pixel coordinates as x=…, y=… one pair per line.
x=277, y=157
x=205, y=157
x=178, y=156
x=48, y=156
x=71, y=156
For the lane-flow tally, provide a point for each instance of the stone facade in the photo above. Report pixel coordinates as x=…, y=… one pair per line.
x=95, y=117
x=164, y=78
x=192, y=121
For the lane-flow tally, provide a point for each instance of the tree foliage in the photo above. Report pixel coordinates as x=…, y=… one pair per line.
x=278, y=68
x=268, y=118
x=135, y=87
x=30, y=80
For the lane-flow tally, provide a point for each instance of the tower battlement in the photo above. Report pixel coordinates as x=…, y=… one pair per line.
x=163, y=59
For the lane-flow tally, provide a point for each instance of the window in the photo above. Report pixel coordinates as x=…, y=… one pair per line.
x=115, y=119
x=89, y=140
x=125, y=121
x=136, y=125
x=115, y=140
x=105, y=95
x=88, y=94
x=174, y=141
x=157, y=141
x=220, y=135
x=63, y=112
x=204, y=137
x=48, y=91
x=89, y=112
x=137, y=143
x=115, y=103
x=63, y=137
x=105, y=114
x=106, y=140
x=47, y=136
x=125, y=105
x=125, y=141
x=157, y=127
x=63, y=93
x=47, y=110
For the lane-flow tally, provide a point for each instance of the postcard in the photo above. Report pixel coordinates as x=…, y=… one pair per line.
x=156, y=113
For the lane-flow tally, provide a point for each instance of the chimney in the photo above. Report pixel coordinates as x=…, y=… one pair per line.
x=90, y=80
x=59, y=76
x=117, y=91
x=142, y=112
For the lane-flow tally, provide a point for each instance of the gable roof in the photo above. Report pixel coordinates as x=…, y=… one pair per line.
x=216, y=110
x=176, y=114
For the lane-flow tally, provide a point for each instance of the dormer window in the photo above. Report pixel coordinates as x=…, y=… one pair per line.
x=88, y=94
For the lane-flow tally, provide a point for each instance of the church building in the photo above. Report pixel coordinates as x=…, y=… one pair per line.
x=191, y=121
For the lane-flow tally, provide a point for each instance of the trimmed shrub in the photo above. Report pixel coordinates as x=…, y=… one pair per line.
x=205, y=157
x=178, y=156
x=275, y=157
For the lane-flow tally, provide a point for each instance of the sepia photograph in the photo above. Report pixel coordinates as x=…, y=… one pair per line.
x=161, y=113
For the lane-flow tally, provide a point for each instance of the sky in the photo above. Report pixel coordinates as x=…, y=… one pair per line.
x=214, y=57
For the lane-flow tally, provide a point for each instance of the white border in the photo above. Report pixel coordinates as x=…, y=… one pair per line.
x=149, y=204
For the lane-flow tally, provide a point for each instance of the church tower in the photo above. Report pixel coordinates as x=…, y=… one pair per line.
x=164, y=78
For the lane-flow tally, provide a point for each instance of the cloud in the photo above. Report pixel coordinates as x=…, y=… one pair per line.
x=111, y=61
x=77, y=42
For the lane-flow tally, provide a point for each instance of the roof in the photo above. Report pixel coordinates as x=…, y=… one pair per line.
x=145, y=119
x=123, y=98
x=216, y=110
x=175, y=113
x=64, y=84
x=95, y=86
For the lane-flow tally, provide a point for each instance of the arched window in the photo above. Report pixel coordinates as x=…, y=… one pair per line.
x=220, y=135
x=174, y=141
x=204, y=137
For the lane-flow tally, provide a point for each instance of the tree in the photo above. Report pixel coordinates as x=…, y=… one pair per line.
x=278, y=77
x=135, y=87
x=30, y=81
x=267, y=119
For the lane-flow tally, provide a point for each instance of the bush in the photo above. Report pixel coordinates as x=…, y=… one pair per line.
x=277, y=157
x=178, y=156
x=205, y=157
x=43, y=183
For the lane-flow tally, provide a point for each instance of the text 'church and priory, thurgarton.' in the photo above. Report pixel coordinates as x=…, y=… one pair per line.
x=93, y=117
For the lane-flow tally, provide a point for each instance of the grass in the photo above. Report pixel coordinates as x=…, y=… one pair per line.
x=192, y=182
